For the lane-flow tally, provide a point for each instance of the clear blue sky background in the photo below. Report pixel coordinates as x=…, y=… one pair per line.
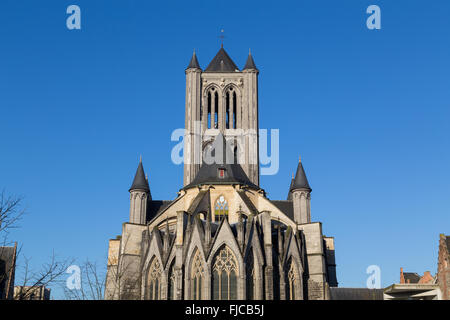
x=368, y=111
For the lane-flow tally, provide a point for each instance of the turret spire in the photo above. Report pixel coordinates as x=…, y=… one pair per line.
x=250, y=64
x=300, y=194
x=193, y=64
x=140, y=182
x=300, y=181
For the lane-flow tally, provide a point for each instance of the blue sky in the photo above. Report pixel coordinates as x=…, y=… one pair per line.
x=368, y=110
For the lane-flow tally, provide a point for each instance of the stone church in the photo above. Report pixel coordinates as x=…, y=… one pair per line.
x=222, y=238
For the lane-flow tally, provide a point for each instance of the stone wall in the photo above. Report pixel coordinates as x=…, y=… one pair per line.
x=444, y=267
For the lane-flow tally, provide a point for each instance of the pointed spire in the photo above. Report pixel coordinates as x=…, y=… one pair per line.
x=140, y=182
x=194, y=62
x=250, y=64
x=222, y=63
x=289, y=197
x=300, y=181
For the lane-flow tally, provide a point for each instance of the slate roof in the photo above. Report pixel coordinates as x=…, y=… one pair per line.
x=222, y=63
x=155, y=207
x=412, y=277
x=204, y=205
x=199, y=201
x=140, y=182
x=209, y=173
x=285, y=206
x=250, y=64
x=300, y=180
x=193, y=64
x=289, y=197
x=355, y=294
x=248, y=202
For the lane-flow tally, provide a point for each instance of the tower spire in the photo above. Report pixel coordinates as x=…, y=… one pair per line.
x=250, y=64
x=139, y=196
x=221, y=38
x=193, y=64
x=300, y=181
x=222, y=63
x=300, y=194
x=140, y=182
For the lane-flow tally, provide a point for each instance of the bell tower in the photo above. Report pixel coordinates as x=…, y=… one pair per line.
x=222, y=99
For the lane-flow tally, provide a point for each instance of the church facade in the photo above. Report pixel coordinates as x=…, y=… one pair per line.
x=222, y=238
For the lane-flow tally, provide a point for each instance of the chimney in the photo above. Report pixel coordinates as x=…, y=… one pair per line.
x=427, y=277
x=402, y=277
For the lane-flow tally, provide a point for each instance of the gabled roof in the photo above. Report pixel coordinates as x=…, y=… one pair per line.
x=300, y=180
x=222, y=63
x=250, y=64
x=209, y=173
x=193, y=64
x=140, y=182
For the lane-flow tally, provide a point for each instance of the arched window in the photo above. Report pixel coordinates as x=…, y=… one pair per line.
x=197, y=277
x=291, y=281
x=213, y=106
x=220, y=209
x=216, y=114
x=225, y=273
x=154, y=280
x=250, y=276
x=230, y=108
x=171, y=283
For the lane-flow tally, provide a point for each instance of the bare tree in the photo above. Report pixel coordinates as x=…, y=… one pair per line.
x=92, y=284
x=50, y=273
x=121, y=277
x=11, y=211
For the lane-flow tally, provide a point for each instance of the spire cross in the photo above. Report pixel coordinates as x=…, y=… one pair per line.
x=221, y=38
